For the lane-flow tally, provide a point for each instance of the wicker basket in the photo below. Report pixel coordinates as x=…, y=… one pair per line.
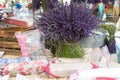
x=8, y=41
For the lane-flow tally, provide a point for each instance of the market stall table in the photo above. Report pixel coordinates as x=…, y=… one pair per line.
x=113, y=64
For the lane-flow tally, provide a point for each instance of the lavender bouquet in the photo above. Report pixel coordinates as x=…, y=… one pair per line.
x=110, y=39
x=65, y=25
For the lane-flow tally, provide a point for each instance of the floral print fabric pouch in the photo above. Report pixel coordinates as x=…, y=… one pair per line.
x=31, y=42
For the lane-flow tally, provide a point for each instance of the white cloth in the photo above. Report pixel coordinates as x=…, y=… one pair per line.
x=93, y=74
x=113, y=71
x=21, y=77
x=6, y=77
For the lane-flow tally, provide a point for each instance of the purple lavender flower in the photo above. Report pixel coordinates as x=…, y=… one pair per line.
x=97, y=1
x=67, y=23
x=52, y=3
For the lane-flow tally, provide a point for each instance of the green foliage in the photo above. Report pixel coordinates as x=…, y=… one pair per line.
x=70, y=51
x=110, y=28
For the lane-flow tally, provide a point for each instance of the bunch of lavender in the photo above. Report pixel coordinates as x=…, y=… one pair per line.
x=67, y=24
x=110, y=39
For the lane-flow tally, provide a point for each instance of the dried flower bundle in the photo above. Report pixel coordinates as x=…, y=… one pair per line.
x=67, y=23
x=110, y=40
